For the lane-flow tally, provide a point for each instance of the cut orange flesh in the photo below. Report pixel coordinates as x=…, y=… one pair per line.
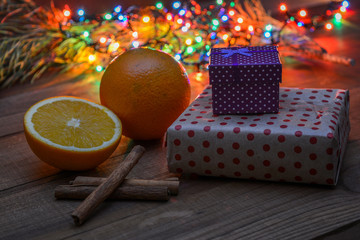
x=71, y=133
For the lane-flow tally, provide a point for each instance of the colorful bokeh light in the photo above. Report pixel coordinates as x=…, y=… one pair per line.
x=176, y=5
x=108, y=16
x=146, y=19
x=328, y=26
x=103, y=40
x=159, y=5
x=117, y=9
x=67, y=13
x=283, y=7
x=81, y=12
x=86, y=33
x=302, y=13
x=99, y=68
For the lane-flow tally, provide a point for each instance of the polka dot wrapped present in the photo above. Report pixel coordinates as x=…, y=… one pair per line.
x=304, y=142
x=245, y=80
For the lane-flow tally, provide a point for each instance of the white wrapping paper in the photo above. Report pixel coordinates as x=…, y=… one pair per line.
x=305, y=142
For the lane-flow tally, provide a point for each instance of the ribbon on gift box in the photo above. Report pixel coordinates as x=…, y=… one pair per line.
x=230, y=51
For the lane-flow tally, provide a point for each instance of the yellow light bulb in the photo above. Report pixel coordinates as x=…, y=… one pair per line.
x=103, y=40
x=92, y=58
x=146, y=19
x=114, y=46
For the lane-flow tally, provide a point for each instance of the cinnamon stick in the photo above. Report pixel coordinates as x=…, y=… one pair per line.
x=106, y=188
x=156, y=193
x=172, y=185
x=172, y=179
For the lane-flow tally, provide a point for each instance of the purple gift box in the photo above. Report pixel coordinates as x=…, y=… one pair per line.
x=305, y=142
x=245, y=80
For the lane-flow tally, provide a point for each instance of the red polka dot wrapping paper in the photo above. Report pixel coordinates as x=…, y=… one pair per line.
x=245, y=83
x=305, y=142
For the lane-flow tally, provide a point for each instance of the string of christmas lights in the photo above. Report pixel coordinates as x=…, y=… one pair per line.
x=187, y=31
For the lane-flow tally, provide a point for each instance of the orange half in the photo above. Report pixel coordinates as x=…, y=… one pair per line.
x=72, y=133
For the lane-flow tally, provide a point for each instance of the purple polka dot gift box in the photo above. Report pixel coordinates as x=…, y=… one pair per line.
x=304, y=142
x=245, y=80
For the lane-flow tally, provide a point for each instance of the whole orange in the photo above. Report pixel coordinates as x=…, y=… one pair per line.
x=147, y=89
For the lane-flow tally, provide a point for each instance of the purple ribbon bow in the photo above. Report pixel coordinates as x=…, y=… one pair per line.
x=229, y=52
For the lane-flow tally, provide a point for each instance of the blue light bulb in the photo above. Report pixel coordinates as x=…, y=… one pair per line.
x=117, y=9
x=176, y=5
x=182, y=12
x=81, y=12
x=178, y=56
x=224, y=18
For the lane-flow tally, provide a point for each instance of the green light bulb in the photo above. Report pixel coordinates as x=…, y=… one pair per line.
x=159, y=5
x=190, y=50
x=219, y=2
x=198, y=39
x=268, y=27
x=232, y=4
x=86, y=33
x=108, y=16
x=215, y=22
x=99, y=68
x=338, y=16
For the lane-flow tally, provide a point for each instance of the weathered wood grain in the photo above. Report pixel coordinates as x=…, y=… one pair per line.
x=350, y=171
x=19, y=165
x=153, y=193
x=73, y=87
x=206, y=208
x=11, y=124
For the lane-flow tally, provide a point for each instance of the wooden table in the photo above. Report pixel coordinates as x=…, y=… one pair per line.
x=206, y=208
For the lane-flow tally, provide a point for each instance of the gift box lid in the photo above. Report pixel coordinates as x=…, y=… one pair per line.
x=244, y=64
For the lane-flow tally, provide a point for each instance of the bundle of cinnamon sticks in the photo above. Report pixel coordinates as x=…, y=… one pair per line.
x=95, y=190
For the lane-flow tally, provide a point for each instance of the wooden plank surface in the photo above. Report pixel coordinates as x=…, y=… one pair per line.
x=206, y=208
